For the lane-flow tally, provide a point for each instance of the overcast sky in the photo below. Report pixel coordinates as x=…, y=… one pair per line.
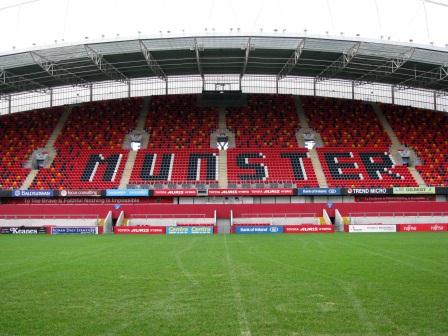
x=24, y=22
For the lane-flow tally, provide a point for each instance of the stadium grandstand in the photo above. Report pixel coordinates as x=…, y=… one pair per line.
x=226, y=135
x=223, y=139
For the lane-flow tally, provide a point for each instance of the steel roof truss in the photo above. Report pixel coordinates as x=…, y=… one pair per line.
x=20, y=83
x=152, y=62
x=292, y=61
x=337, y=66
x=57, y=71
x=425, y=79
x=248, y=48
x=104, y=66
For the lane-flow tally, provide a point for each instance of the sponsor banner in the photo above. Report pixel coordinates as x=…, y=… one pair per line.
x=189, y=230
x=308, y=228
x=5, y=193
x=127, y=192
x=175, y=192
x=367, y=191
x=442, y=190
x=85, y=200
x=23, y=230
x=79, y=193
x=413, y=190
x=32, y=193
x=74, y=230
x=422, y=227
x=250, y=192
x=139, y=229
x=370, y=199
x=372, y=228
x=319, y=191
x=258, y=229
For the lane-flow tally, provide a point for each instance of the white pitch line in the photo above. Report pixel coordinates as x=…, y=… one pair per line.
x=242, y=319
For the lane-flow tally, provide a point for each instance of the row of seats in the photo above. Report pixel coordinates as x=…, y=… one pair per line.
x=344, y=123
x=90, y=154
x=177, y=122
x=20, y=135
x=91, y=129
x=426, y=132
x=266, y=121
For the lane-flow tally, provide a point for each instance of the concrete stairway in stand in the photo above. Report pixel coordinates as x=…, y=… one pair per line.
x=314, y=156
x=396, y=144
x=49, y=147
x=132, y=155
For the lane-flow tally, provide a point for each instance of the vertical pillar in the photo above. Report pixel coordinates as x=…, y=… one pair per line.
x=90, y=92
x=129, y=88
x=276, y=86
x=435, y=101
x=9, y=104
x=51, y=97
x=393, y=95
x=314, y=87
x=353, y=90
x=166, y=86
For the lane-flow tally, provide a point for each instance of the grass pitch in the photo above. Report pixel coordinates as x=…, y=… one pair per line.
x=341, y=284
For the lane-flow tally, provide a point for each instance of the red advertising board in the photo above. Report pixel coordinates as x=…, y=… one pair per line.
x=175, y=192
x=308, y=228
x=389, y=198
x=139, y=229
x=250, y=192
x=422, y=227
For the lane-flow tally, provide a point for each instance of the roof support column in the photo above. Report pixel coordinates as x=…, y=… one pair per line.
x=435, y=100
x=392, y=88
x=90, y=92
x=166, y=86
x=9, y=104
x=129, y=88
x=314, y=87
x=276, y=85
x=51, y=97
x=353, y=90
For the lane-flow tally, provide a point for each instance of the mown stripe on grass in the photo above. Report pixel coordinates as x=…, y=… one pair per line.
x=241, y=314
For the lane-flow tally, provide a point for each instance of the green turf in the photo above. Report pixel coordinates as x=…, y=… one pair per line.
x=341, y=284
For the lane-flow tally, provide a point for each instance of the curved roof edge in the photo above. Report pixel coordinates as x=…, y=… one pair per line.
x=361, y=61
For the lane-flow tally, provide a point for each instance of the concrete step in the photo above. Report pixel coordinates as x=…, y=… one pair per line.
x=58, y=129
x=385, y=124
x=143, y=115
x=222, y=169
x=125, y=178
x=222, y=124
x=417, y=177
x=49, y=147
x=317, y=166
x=223, y=225
x=301, y=113
x=29, y=179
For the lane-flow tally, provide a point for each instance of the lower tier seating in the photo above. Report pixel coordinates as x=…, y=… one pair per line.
x=366, y=167
x=426, y=132
x=83, y=169
x=269, y=165
x=190, y=166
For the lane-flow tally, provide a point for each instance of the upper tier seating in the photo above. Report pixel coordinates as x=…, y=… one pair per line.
x=267, y=121
x=345, y=123
x=93, y=129
x=427, y=133
x=363, y=167
x=21, y=134
x=176, y=122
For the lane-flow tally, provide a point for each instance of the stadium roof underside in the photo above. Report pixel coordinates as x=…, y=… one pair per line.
x=401, y=65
